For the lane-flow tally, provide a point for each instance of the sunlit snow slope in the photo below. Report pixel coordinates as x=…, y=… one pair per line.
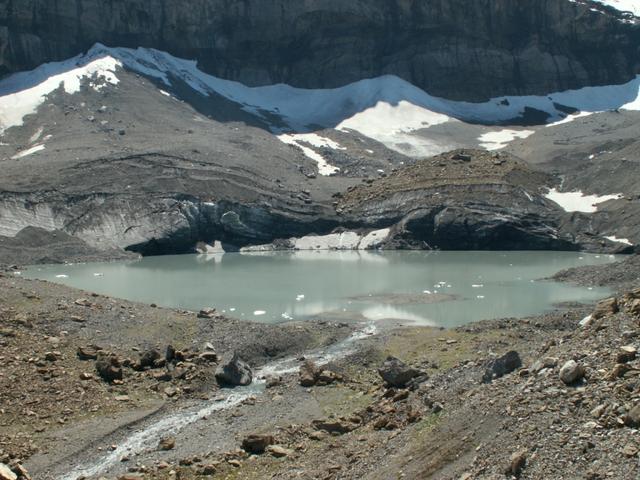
x=632, y=6
x=387, y=109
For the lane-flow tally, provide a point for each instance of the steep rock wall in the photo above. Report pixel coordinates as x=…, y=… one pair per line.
x=463, y=49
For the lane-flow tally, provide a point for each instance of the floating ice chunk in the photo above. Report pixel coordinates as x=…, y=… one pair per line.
x=477, y=285
x=257, y=313
x=97, y=274
x=428, y=292
x=480, y=297
x=62, y=276
x=232, y=309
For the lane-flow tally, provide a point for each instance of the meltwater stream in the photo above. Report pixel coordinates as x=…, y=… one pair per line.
x=429, y=288
x=147, y=437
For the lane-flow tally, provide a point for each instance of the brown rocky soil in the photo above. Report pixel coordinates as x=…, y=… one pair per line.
x=50, y=380
x=567, y=406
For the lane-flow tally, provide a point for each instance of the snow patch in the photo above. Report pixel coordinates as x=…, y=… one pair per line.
x=34, y=138
x=578, y=201
x=28, y=151
x=499, y=139
x=613, y=238
x=299, y=139
x=387, y=108
x=22, y=93
x=632, y=6
x=569, y=119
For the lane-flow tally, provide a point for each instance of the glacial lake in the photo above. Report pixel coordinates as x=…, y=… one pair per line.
x=429, y=288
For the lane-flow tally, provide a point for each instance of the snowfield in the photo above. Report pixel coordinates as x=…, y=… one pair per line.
x=21, y=94
x=387, y=108
x=632, y=6
x=578, y=201
x=501, y=138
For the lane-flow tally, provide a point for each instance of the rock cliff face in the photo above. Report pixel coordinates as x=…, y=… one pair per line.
x=463, y=49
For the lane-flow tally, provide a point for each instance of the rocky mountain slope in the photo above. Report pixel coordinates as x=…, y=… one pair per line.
x=451, y=48
x=137, y=149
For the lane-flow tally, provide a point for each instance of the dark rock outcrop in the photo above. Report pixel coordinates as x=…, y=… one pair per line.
x=452, y=48
x=463, y=200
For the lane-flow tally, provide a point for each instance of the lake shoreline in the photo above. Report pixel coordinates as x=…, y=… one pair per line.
x=89, y=415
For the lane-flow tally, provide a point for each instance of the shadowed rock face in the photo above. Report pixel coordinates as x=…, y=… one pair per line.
x=463, y=49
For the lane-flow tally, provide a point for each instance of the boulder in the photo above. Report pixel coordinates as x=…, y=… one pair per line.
x=308, y=374
x=167, y=443
x=335, y=426
x=21, y=471
x=626, y=354
x=234, y=372
x=272, y=382
x=279, y=451
x=606, y=307
x=547, y=362
x=89, y=352
x=396, y=373
x=257, y=443
x=208, y=356
x=170, y=354
x=517, y=462
x=109, y=367
x=632, y=418
x=571, y=372
x=207, y=313
x=83, y=302
x=148, y=359
x=501, y=366
x=327, y=377
x=6, y=473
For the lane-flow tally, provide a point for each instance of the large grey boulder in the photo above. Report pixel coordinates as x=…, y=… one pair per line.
x=234, y=372
x=397, y=373
x=502, y=366
x=571, y=372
